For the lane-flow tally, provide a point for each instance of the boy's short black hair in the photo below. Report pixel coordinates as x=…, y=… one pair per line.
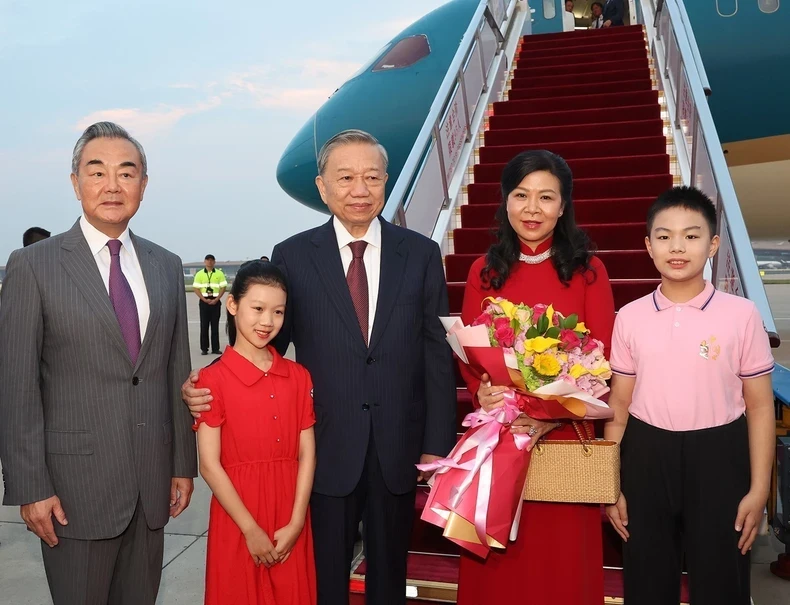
x=209, y=257
x=689, y=198
x=33, y=235
x=598, y=3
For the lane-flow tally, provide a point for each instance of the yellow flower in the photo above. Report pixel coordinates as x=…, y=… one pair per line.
x=539, y=344
x=578, y=370
x=522, y=316
x=550, y=314
x=603, y=369
x=508, y=308
x=563, y=357
x=546, y=364
x=580, y=327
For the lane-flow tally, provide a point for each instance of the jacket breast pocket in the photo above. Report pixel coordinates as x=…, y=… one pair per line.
x=167, y=427
x=70, y=443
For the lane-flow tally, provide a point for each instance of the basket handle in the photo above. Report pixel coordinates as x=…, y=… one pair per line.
x=585, y=439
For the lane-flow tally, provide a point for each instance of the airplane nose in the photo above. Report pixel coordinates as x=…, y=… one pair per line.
x=298, y=168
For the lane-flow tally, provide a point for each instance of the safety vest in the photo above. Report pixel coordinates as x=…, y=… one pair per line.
x=210, y=279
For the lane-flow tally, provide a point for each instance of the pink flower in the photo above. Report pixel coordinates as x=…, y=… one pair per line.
x=519, y=346
x=555, y=320
x=590, y=345
x=537, y=311
x=505, y=336
x=501, y=322
x=484, y=319
x=569, y=339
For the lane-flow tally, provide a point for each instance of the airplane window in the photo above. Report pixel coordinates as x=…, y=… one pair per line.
x=406, y=52
x=549, y=10
x=768, y=6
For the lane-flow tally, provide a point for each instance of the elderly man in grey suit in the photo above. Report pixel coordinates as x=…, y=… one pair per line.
x=97, y=448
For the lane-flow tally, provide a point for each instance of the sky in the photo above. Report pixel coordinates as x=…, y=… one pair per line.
x=213, y=90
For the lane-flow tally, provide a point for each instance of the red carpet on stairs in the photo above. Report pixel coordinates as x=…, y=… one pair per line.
x=587, y=96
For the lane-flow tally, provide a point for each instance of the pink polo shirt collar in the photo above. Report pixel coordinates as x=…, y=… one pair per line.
x=700, y=301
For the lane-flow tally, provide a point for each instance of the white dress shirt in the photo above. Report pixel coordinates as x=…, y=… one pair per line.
x=597, y=23
x=371, y=258
x=130, y=266
x=568, y=21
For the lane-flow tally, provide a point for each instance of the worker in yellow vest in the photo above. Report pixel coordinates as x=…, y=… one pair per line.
x=210, y=284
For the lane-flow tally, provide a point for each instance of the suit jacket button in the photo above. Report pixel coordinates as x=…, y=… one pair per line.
x=370, y=360
x=365, y=406
x=135, y=381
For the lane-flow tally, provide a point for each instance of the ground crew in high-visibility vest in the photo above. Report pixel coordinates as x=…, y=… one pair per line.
x=210, y=284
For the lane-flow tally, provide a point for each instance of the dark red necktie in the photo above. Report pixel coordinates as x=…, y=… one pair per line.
x=357, y=279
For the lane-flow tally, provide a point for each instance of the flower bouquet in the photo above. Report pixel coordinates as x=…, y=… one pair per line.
x=554, y=370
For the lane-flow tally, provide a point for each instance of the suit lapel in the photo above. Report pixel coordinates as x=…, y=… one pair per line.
x=152, y=276
x=80, y=265
x=393, y=263
x=329, y=266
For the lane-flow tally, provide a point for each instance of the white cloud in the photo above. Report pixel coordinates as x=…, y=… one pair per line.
x=149, y=122
x=270, y=87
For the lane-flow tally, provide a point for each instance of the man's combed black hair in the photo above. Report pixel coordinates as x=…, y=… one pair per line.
x=33, y=235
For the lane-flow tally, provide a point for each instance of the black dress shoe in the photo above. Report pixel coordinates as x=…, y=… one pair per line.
x=216, y=352
x=204, y=352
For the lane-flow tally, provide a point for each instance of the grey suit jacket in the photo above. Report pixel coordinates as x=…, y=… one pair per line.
x=77, y=418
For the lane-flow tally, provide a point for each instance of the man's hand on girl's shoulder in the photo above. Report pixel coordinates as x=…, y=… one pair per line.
x=196, y=399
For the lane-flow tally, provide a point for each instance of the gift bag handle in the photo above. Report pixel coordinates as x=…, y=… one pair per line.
x=590, y=436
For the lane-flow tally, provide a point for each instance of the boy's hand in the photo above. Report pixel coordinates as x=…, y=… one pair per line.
x=285, y=538
x=618, y=517
x=750, y=512
x=261, y=547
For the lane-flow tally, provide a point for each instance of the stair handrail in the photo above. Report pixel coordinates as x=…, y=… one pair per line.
x=493, y=14
x=700, y=156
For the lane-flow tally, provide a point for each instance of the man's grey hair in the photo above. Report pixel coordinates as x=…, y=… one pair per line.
x=108, y=130
x=348, y=137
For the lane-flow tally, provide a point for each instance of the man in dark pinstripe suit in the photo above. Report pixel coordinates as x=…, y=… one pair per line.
x=97, y=448
x=364, y=300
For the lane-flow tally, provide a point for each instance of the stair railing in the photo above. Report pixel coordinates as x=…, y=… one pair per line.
x=431, y=176
x=682, y=78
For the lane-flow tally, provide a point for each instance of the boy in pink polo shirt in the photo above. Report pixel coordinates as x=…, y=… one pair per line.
x=694, y=414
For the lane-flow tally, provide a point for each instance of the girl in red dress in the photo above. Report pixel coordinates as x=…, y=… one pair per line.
x=257, y=454
x=540, y=256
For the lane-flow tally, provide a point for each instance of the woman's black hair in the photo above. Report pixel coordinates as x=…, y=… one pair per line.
x=251, y=273
x=573, y=249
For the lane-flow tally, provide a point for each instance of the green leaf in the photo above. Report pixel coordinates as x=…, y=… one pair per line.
x=553, y=332
x=571, y=321
x=532, y=332
x=579, y=334
x=543, y=324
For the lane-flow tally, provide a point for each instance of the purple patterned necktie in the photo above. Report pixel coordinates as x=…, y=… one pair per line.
x=357, y=279
x=122, y=301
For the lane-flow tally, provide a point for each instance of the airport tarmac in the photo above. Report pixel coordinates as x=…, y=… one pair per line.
x=22, y=580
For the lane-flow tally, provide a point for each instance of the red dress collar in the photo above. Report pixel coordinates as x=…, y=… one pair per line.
x=248, y=372
x=542, y=248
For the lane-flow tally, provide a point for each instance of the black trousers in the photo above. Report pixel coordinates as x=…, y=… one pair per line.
x=682, y=491
x=124, y=570
x=209, y=316
x=387, y=522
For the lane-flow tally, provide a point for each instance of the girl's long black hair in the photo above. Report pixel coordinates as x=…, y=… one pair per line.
x=250, y=273
x=573, y=249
